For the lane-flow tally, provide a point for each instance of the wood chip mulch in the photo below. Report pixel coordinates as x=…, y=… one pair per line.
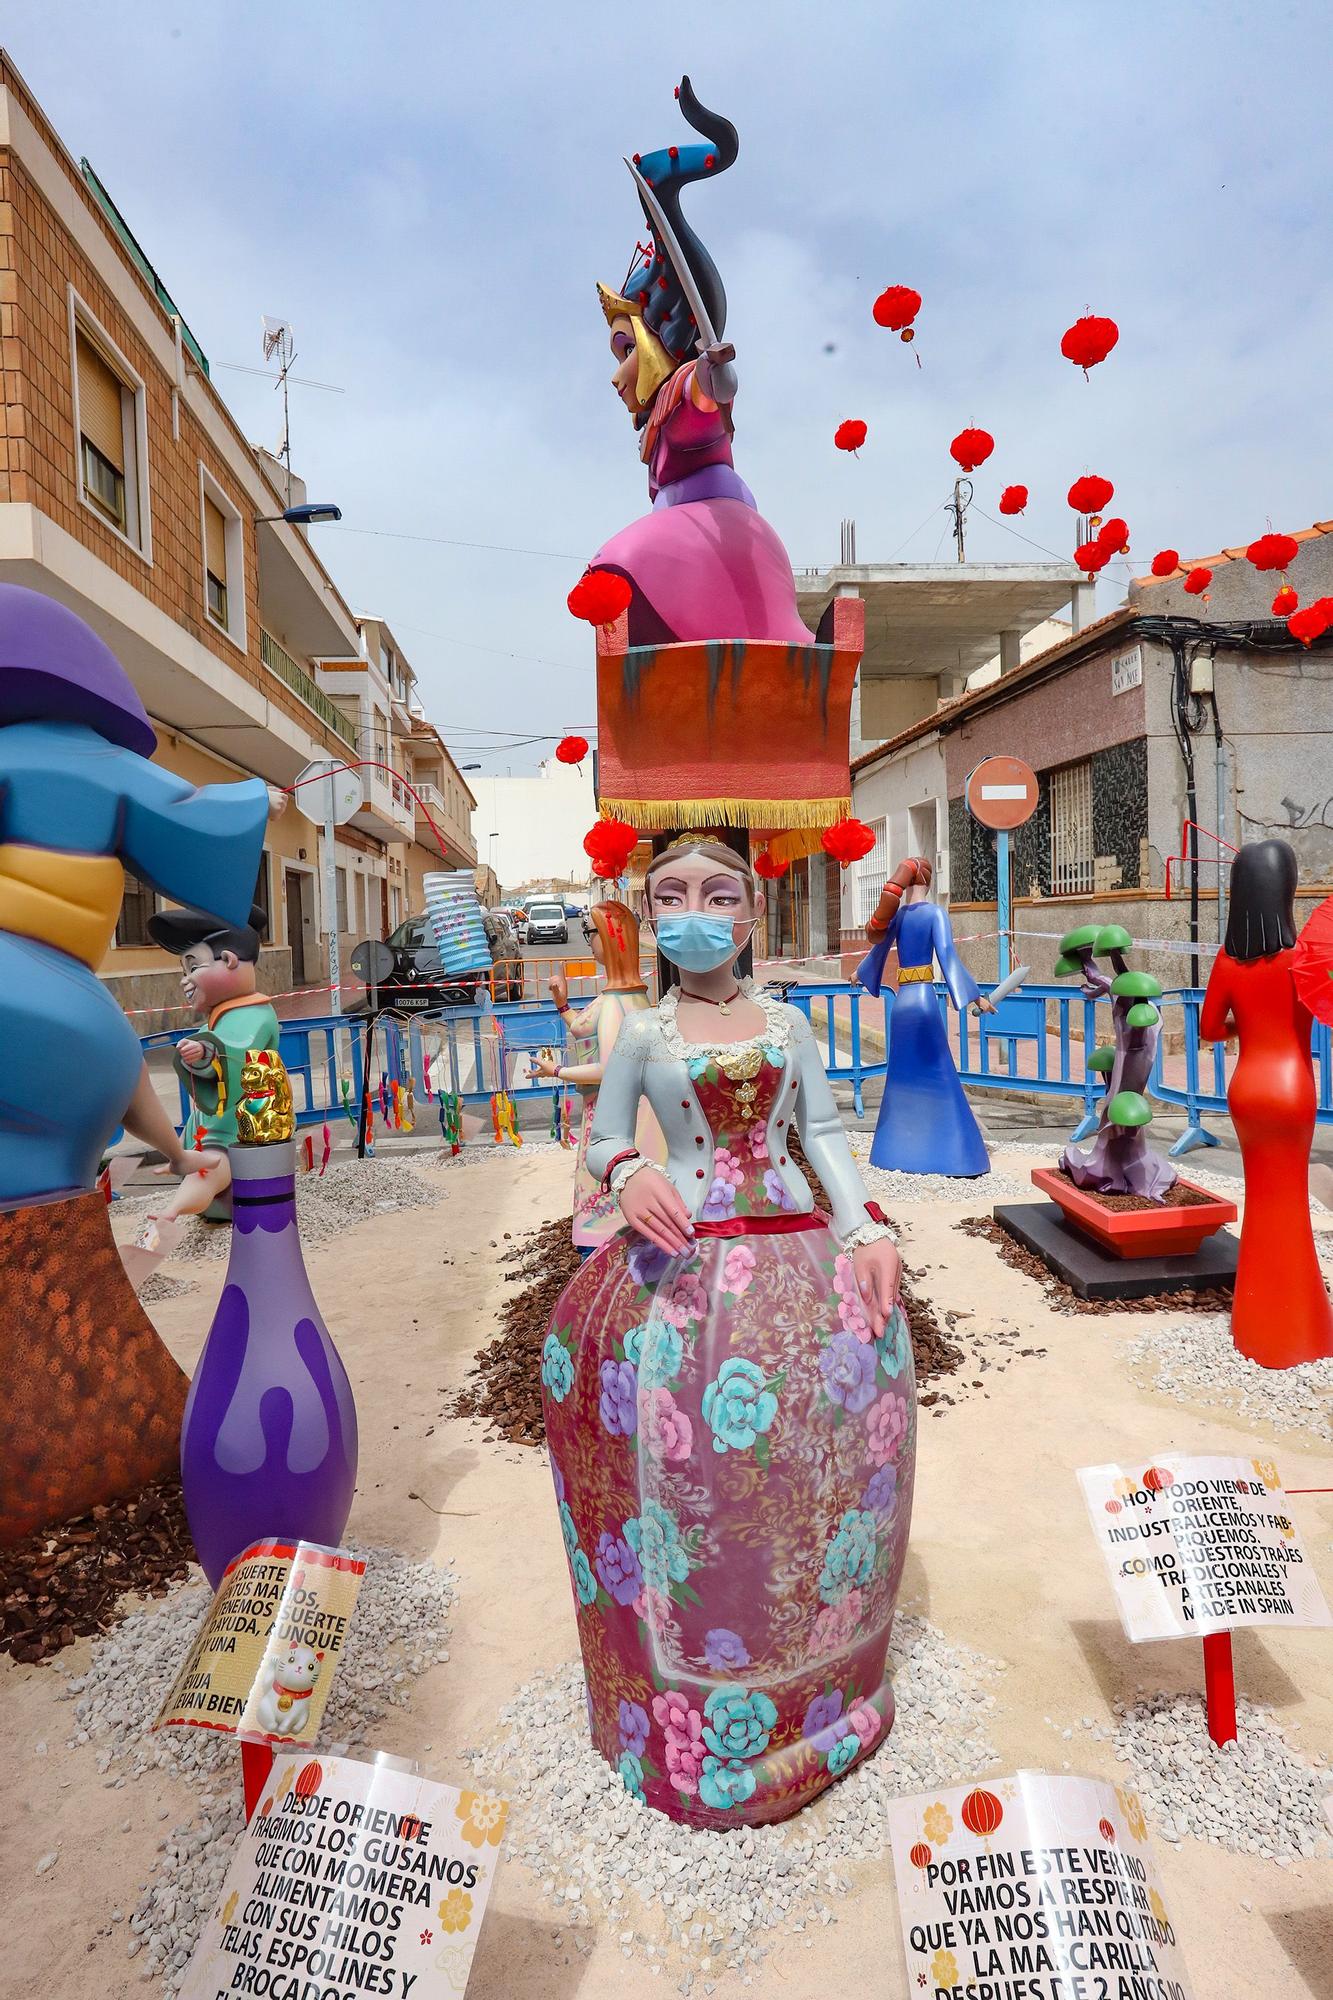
x=1180, y=1194
x=1063, y=1297
x=62, y=1584
x=505, y=1390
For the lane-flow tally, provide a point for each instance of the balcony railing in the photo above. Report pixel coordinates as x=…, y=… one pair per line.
x=280, y=662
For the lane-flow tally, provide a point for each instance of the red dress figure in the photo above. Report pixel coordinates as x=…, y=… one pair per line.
x=1281, y=1314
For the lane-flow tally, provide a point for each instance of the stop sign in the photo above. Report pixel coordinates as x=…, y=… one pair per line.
x=1001, y=793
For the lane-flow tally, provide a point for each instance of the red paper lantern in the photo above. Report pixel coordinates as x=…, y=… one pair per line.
x=848, y=840
x=1114, y=535
x=1285, y=602
x=308, y=1780
x=1090, y=494
x=1312, y=622
x=1157, y=1479
x=1166, y=562
x=1113, y=1506
x=920, y=1856
x=1092, y=556
x=608, y=844
x=410, y=1828
x=982, y=1813
x=600, y=596
x=571, y=749
x=1273, y=551
x=1106, y=1830
x=896, y=307
x=850, y=435
x=1013, y=499
x=769, y=867
x=972, y=448
x=1198, y=581
x=1089, y=340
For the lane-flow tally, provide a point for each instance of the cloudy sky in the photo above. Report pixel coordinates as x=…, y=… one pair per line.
x=428, y=191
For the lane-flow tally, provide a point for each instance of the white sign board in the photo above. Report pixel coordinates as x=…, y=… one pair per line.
x=1032, y=1888
x=1198, y=1545
x=321, y=785
x=351, y=1879
x=1127, y=670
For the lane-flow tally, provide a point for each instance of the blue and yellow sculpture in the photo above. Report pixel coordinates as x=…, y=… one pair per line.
x=925, y=1123
x=92, y=1400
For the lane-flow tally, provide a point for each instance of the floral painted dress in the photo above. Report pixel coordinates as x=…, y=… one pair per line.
x=732, y=1450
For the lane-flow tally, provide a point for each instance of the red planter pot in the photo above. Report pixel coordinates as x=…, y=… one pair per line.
x=1137, y=1232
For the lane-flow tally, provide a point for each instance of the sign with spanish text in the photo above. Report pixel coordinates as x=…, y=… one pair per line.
x=1200, y=1545
x=1127, y=670
x=263, y=1662
x=351, y=1879
x=1032, y=1888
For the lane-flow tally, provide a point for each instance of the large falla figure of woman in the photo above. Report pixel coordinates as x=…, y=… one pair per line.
x=729, y=1396
x=1280, y=1313
x=704, y=564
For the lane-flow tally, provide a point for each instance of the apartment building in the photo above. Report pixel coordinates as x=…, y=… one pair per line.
x=129, y=492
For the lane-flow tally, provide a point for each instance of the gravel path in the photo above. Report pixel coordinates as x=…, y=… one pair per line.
x=351, y=1191
x=978, y=1193
x=1257, y=1795
x=1196, y=1361
x=399, y=1629
x=602, y=1857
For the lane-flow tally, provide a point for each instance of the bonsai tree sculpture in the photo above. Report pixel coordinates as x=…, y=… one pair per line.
x=1120, y=1160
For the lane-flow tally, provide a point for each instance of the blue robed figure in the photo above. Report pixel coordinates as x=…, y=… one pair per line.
x=925, y=1124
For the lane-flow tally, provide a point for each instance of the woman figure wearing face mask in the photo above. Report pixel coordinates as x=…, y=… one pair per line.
x=612, y=934
x=729, y=1396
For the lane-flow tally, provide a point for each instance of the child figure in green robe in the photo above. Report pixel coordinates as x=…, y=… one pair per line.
x=219, y=972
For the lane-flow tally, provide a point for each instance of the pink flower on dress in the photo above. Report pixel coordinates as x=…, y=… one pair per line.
x=667, y=1431
x=886, y=1422
x=758, y=1137
x=682, y=1728
x=837, y=1623
x=738, y=1270
x=867, y=1721
x=850, y=1310
x=688, y=1301
x=654, y=1609
x=727, y=1168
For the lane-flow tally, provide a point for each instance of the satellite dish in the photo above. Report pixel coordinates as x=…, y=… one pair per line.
x=313, y=786
x=372, y=962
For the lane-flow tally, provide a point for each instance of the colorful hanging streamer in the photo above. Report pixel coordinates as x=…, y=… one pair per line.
x=504, y=1119
x=451, y=1120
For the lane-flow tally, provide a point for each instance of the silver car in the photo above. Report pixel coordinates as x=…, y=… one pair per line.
x=547, y=924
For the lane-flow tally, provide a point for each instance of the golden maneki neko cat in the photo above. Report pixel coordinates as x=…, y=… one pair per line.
x=264, y=1115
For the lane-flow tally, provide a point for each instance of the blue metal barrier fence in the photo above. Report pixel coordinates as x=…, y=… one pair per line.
x=1027, y=1045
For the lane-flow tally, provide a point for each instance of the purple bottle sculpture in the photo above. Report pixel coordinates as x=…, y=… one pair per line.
x=268, y=1444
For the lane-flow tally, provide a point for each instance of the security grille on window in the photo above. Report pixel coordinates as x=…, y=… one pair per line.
x=1071, y=831
x=138, y=906
x=872, y=873
x=101, y=433
x=215, y=560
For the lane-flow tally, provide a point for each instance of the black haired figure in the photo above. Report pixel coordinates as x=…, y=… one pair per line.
x=1281, y=1314
x=704, y=564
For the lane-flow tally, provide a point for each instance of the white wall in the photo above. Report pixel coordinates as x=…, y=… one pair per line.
x=909, y=792
x=540, y=822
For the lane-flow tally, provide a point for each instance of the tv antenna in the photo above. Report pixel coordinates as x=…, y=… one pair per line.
x=280, y=344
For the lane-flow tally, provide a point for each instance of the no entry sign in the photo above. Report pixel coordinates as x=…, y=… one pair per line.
x=1002, y=793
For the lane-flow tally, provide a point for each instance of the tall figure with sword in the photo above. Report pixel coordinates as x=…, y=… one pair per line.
x=704, y=564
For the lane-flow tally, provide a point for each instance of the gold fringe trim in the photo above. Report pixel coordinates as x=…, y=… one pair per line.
x=659, y=815
x=795, y=846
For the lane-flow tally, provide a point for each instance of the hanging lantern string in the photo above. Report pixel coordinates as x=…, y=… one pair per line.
x=996, y=523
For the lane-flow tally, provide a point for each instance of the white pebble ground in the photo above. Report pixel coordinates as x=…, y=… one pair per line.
x=1197, y=1361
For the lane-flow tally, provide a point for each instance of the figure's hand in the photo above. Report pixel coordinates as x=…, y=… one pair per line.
x=277, y=801
x=558, y=986
x=983, y=1004
x=715, y=374
x=191, y=1160
x=650, y=1204
x=191, y=1053
x=878, y=1269
x=545, y=1065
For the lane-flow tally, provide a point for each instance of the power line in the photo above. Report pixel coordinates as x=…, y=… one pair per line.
x=451, y=542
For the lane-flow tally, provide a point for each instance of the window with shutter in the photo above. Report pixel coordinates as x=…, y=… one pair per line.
x=101, y=431
x=215, y=559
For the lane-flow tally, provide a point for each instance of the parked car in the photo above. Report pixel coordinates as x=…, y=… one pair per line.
x=573, y=909
x=418, y=984
x=547, y=923
x=521, y=925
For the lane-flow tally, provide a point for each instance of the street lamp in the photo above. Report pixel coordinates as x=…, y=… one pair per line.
x=303, y=516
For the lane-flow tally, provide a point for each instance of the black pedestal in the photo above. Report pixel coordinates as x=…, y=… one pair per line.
x=1094, y=1274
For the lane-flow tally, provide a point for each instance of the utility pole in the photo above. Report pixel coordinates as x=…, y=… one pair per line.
x=958, y=506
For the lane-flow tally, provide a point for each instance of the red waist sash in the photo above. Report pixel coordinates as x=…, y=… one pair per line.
x=762, y=1225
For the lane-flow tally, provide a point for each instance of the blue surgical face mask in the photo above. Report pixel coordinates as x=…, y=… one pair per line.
x=695, y=942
